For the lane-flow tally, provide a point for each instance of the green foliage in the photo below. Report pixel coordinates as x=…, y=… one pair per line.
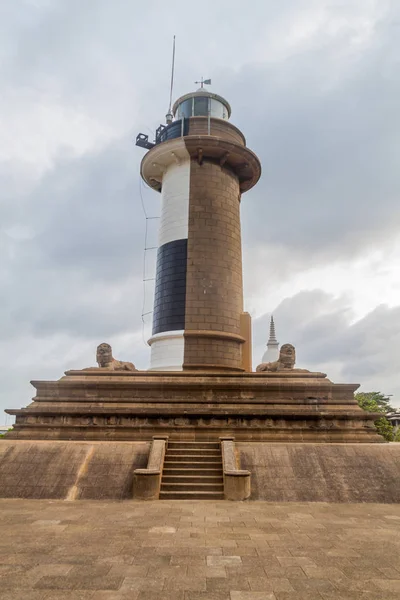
x=378, y=402
x=397, y=436
x=374, y=402
x=3, y=434
x=385, y=429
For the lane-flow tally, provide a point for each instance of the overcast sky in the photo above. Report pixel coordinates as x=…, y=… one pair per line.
x=314, y=86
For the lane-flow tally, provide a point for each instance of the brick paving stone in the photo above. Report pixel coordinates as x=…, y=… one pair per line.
x=260, y=584
x=285, y=572
x=224, y=561
x=54, y=582
x=389, y=572
x=153, y=561
x=164, y=595
x=364, y=574
x=51, y=569
x=310, y=585
x=243, y=550
x=359, y=595
x=162, y=529
x=135, y=570
x=11, y=569
x=245, y=571
x=216, y=584
x=76, y=595
x=195, y=584
x=207, y=596
x=113, y=595
x=275, y=584
x=296, y=561
x=298, y=595
x=330, y=573
x=391, y=585
x=91, y=571
x=22, y=595
x=188, y=560
x=237, y=595
x=143, y=583
x=353, y=585
x=98, y=583
x=177, y=571
x=207, y=572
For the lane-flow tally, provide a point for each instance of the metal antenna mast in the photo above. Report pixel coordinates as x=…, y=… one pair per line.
x=169, y=115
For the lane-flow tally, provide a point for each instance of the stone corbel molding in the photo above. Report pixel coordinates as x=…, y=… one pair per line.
x=147, y=482
x=236, y=481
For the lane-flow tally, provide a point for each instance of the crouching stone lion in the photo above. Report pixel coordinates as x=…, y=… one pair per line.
x=105, y=360
x=285, y=362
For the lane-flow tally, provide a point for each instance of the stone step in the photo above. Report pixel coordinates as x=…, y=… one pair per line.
x=191, y=451
x=183, y=479
x=192, y=487
x=202, y=445
x=194, y=472
x=193, y=457
x=188, y=464
x=185, y=495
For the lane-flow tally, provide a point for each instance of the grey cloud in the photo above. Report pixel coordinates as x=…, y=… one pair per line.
x=86, y=214
x=81, y=269
x=330, y=182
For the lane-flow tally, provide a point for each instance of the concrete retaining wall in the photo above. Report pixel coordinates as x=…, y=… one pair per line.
x=322, y=472
x=70, y=470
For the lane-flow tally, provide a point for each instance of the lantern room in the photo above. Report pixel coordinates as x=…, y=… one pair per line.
x=201, y=104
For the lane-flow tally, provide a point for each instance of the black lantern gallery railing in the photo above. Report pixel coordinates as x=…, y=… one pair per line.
x=164, y=133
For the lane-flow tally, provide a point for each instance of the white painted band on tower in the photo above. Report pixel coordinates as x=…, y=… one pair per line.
x=175, y=203
x=167, y=350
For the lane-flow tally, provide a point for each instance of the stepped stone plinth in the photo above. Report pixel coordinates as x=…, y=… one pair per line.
x=299, y=435
x=101, y=404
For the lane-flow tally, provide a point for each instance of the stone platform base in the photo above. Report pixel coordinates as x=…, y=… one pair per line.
x=99, y=404
x=279, y=472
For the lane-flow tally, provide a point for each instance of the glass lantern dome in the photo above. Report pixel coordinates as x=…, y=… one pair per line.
x=201, y=104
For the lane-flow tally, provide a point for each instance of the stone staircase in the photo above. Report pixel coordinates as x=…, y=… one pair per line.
x=192, y=471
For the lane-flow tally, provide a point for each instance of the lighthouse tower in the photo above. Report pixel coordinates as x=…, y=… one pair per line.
x=201, y=166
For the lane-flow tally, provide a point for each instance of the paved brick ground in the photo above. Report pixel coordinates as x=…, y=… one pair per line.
x=55, y=550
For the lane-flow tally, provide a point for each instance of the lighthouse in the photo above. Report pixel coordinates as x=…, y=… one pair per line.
x=200, y=164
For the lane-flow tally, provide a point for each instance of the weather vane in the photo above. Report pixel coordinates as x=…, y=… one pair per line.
x=204, y=81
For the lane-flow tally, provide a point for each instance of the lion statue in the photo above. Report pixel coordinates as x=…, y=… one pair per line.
x=285, y=362
x=105, y=360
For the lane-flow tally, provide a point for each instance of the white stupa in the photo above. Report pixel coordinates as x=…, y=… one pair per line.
x=272, y=352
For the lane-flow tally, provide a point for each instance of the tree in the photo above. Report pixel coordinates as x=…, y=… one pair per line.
x=379, y=403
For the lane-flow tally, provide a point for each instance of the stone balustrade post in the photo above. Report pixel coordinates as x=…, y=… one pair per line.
x=147, y=482
x=236, y=481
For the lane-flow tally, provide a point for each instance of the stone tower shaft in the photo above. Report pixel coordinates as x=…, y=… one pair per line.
x=201, y=166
